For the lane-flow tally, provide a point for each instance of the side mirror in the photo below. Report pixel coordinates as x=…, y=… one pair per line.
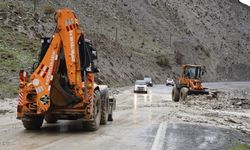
x=202, y=73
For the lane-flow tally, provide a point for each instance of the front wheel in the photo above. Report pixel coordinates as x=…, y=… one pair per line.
x=95, y=123
x=175, y=94
x=183, y=93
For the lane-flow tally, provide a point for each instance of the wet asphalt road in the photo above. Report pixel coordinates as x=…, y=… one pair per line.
x=141, y=122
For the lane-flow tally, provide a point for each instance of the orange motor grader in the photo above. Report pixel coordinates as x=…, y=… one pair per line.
x=61, y=85
x=189, y=83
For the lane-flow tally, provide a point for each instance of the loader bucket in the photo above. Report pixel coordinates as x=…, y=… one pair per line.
x=197, y=92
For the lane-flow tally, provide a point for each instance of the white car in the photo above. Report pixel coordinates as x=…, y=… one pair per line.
x=140, y=86
x=169, y=82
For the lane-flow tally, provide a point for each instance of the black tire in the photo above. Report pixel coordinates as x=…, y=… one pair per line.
x=33, y=123
x=183, y=93
x=95, y=123
x=50, y=118
x=104, y=111
x=175, y=94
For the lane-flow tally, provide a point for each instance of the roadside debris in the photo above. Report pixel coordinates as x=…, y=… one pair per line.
x=221, y=100
x=7, y=105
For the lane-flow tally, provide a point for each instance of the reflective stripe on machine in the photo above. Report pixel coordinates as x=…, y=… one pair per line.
x=39, y=89
x=20, y=98
x=43, y=71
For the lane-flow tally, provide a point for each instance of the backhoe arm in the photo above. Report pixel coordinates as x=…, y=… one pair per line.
x=34, y=91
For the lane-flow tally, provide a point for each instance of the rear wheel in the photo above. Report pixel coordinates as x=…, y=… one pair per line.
x=183, y=93
x=95, y=123
x=175, y=94
x=50, y=118
x=104, y=111
x=33, y=123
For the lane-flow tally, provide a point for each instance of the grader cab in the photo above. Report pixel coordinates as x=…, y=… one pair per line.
x=189, y=83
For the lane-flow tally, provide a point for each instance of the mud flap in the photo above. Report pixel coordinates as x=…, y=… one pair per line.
x=112, y=107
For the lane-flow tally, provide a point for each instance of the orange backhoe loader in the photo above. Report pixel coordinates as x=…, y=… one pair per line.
x=189, y=83
x=61, y=85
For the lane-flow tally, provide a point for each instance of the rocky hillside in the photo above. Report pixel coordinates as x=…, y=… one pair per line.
x=153, y=37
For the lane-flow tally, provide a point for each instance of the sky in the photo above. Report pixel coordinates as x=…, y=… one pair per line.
x=245, y=2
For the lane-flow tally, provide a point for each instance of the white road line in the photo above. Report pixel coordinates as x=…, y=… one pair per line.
x=160, y=136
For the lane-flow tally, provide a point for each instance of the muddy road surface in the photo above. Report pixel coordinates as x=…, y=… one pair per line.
x=146, y=122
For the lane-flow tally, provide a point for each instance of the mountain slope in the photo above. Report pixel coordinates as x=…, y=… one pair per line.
x=153, y=36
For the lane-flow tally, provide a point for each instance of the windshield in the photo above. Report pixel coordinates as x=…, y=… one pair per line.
x=192, y=72
x=140, y=82
x=147, y=79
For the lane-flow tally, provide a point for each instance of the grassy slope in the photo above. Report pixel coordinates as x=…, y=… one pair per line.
x=16, y=52
x=241, y=147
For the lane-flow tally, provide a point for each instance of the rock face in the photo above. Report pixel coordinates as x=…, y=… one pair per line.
x=149, y=37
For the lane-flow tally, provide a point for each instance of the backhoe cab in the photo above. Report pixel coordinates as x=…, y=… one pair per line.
x=189, y=83
x=62, y=84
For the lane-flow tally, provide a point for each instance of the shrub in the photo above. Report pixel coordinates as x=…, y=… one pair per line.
x=48, y=9
x=179, y=58
x=162, y=61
